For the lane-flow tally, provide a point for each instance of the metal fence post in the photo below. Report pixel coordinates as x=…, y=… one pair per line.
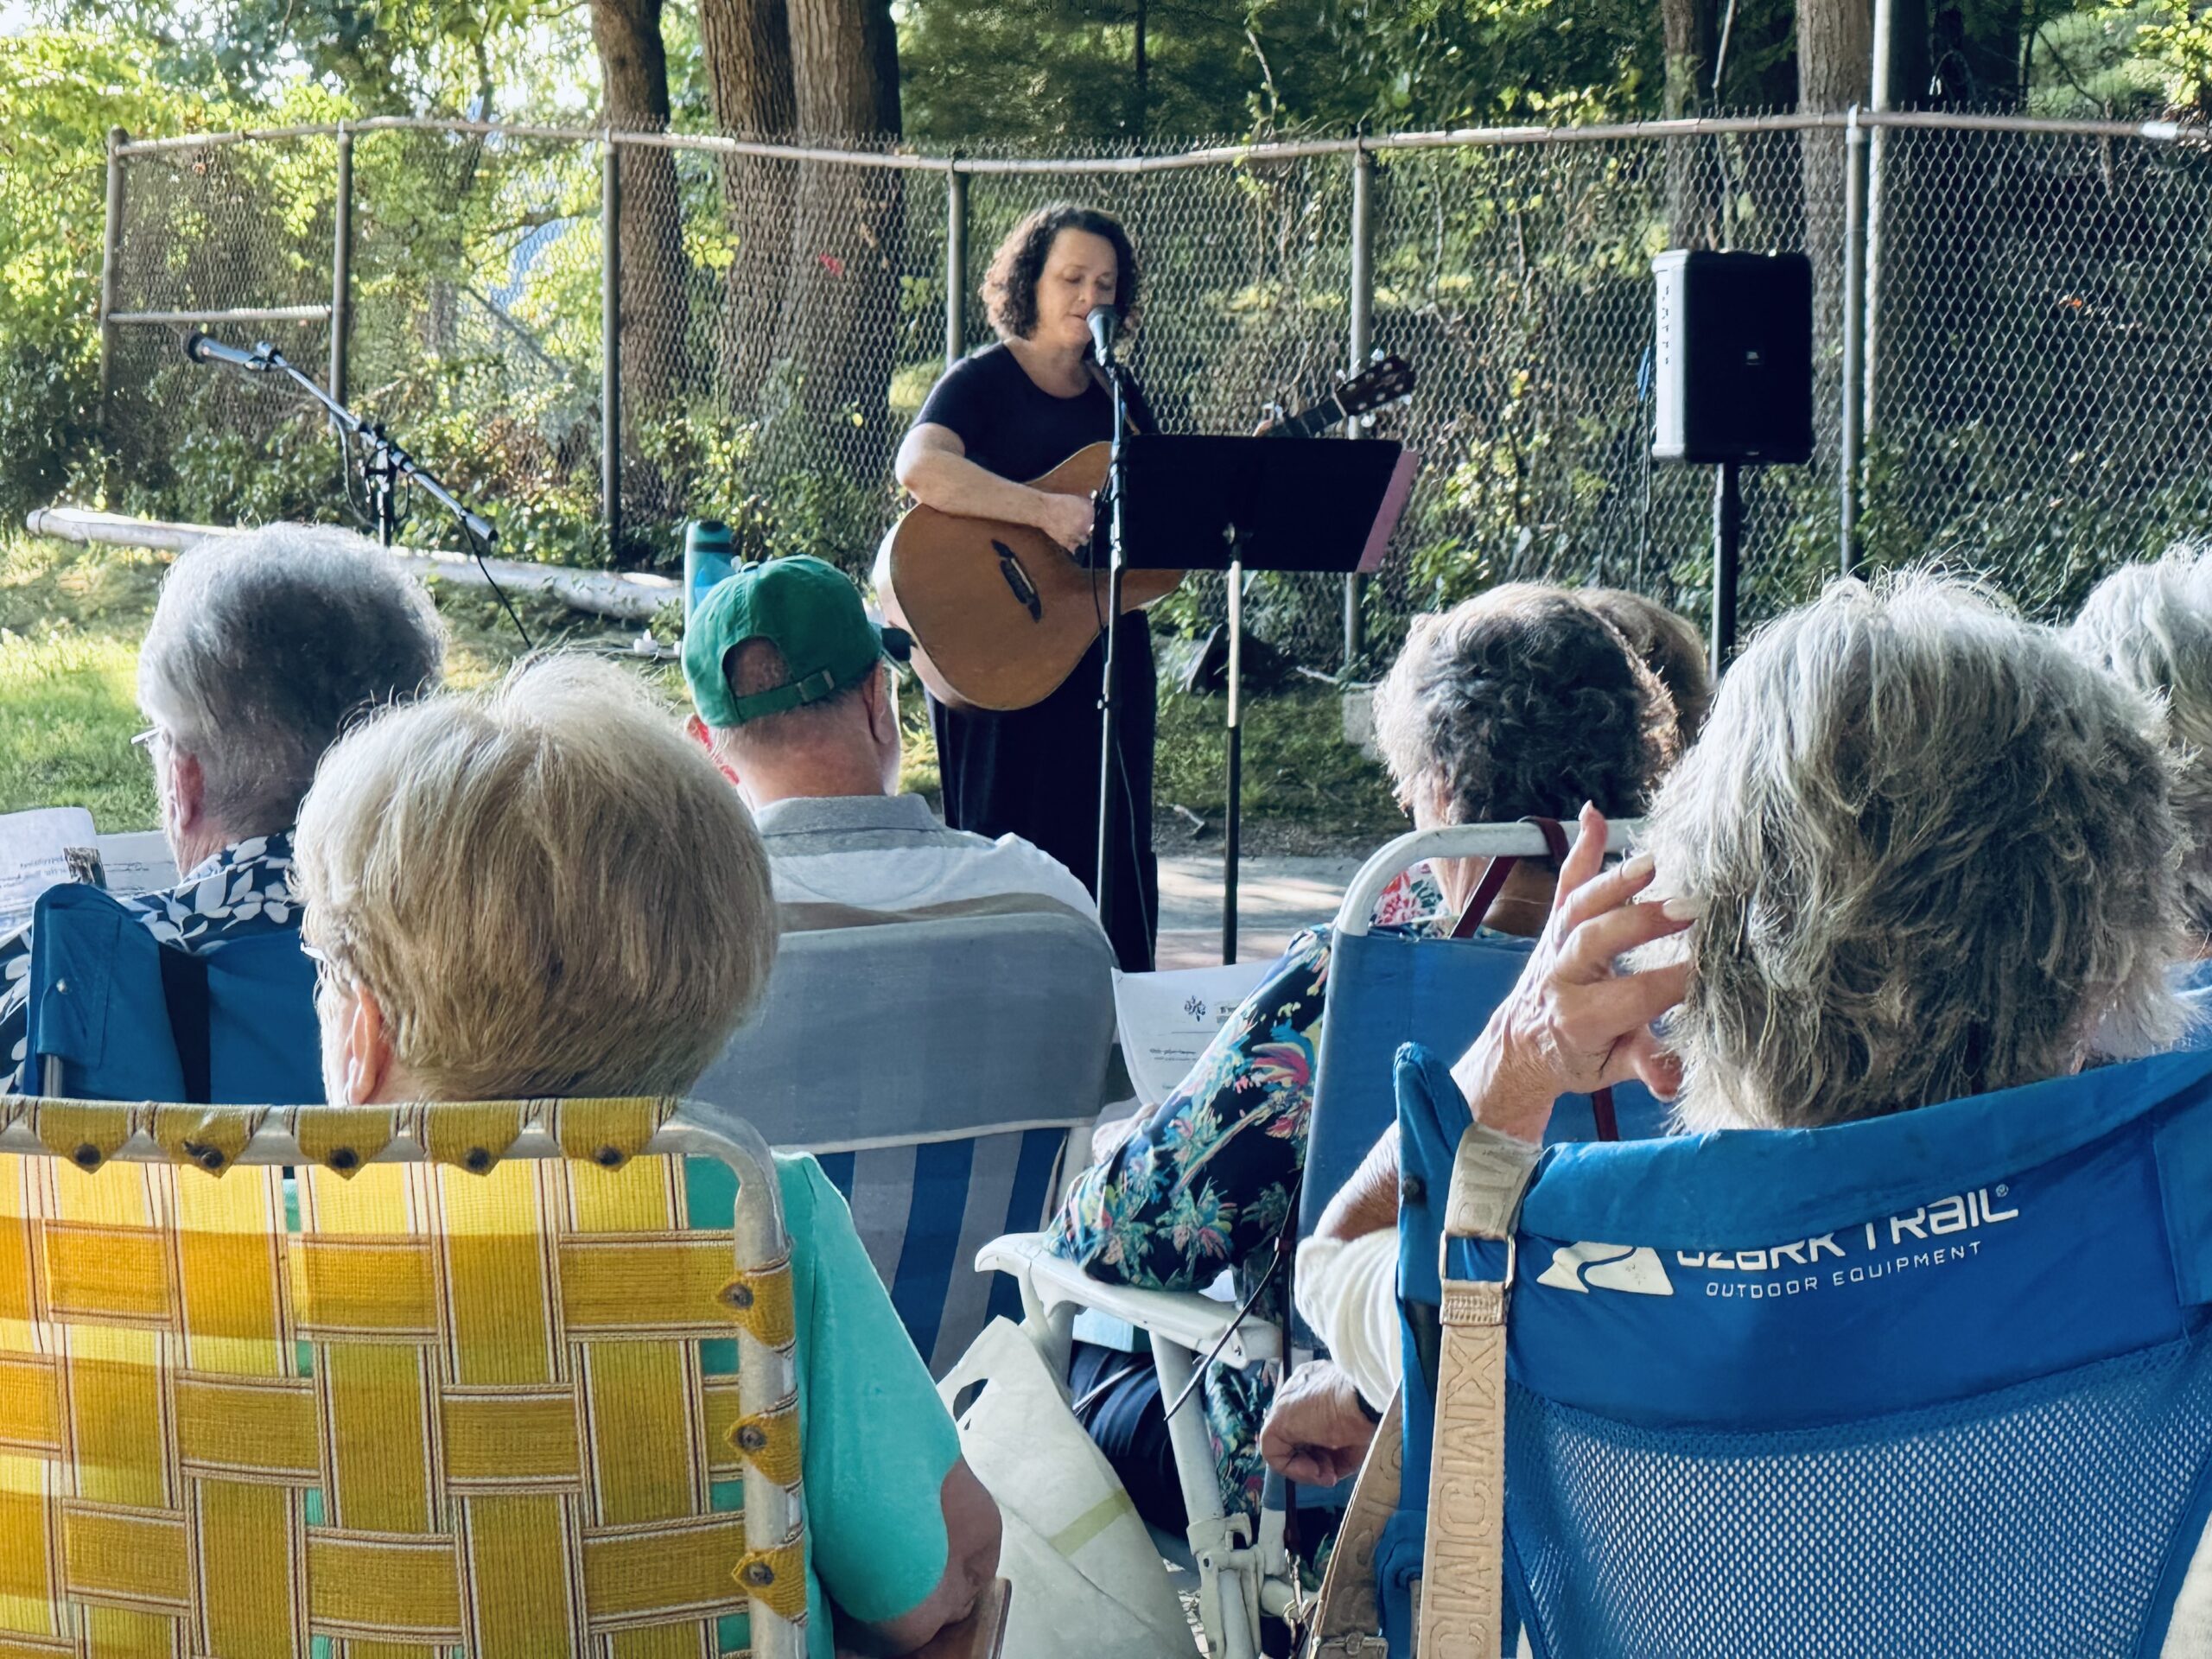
x=1877, y=169
x=610, y=343
x=111, y=259
x=1362, y=318
x=341, y=265
x=956, y=263
x=1854, y=323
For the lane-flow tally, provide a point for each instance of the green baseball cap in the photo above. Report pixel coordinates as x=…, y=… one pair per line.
x=810, y=611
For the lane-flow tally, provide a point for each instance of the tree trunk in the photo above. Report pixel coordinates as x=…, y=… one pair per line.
x=634, y=97
x=747, y=47
x=843, y=313
x=1693, y=180
x=1835, y=44
x=1974, y=53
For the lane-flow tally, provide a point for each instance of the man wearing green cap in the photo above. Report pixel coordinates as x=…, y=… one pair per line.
x=797, y=701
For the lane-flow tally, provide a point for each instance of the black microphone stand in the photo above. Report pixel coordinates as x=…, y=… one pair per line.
x=384, y=462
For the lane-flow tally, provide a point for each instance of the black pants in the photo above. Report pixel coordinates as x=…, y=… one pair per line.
x=1117, y=1401
x=1033, y=772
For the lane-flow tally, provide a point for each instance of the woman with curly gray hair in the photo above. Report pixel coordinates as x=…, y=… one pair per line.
x=1520, y=701
x=2151, y=625
x=1922, y=851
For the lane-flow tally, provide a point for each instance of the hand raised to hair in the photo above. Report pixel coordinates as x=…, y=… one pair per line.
x=1574, y=1023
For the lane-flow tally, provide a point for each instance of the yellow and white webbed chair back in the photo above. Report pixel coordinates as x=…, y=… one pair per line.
x=499, y=1379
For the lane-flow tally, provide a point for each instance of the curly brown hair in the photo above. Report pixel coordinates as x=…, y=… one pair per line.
x=1010, y=285
x=1669, y=644
x=1523, y=701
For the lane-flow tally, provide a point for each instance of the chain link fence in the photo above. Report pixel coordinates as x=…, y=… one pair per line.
x=2034, y=400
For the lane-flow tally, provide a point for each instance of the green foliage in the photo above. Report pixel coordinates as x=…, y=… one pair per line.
x=1448, y=63
x=60, y=92
x=384, y=56
x=1265, y=65
x=2125, y=59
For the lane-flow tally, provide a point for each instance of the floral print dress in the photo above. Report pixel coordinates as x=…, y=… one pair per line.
x=1205, y=1181
x=242, y=891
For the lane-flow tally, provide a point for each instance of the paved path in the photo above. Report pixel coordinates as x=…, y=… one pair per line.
x=1275, y=898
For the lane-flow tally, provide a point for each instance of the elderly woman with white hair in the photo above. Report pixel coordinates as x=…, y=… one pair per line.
x=263, y=646
x=546, y=890
x=1922, y=851
x=2151, y=625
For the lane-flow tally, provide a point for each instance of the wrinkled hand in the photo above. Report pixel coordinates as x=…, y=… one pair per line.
x=1316, y=1434
x=1574, y=1023
x=1066, y=519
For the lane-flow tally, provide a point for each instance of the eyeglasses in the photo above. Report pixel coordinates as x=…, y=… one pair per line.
x=144, y=740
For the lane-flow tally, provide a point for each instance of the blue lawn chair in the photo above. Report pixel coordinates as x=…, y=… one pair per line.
x=1940, y=1381
x=1383, y=990
x=941, y=1067
x=115, y=1016
x=1387, y=989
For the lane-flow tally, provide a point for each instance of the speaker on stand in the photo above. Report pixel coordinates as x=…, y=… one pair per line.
x=1733, y=385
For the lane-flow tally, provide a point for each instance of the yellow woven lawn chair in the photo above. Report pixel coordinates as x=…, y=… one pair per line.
x=506, y=1380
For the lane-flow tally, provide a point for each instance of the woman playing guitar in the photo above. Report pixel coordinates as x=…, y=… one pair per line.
x=1015, y=410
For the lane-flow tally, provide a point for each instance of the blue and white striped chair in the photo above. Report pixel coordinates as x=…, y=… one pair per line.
x=940, y=1066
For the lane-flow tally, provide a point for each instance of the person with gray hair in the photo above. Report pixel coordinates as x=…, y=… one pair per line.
x=1923, y=851
x=264, y=646
x=2151, y=625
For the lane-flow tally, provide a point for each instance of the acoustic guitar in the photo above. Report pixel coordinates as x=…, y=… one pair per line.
x=1000, y=614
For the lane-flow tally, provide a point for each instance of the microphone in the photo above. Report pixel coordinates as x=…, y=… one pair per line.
x=202, y=349
x=1103, y=321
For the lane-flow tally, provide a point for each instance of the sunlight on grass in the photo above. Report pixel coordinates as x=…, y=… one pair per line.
x=69, y=707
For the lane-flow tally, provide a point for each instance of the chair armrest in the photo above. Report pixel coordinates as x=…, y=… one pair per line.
x=979, y=1635
x=1182, y=1317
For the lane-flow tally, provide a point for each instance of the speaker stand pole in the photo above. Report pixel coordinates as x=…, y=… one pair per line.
x=1727, y=543
x=1233, y=819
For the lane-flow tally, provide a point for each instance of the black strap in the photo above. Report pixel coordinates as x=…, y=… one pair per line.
x=184, y=989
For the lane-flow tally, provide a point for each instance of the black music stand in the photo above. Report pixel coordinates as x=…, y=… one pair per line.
x=1232, y=505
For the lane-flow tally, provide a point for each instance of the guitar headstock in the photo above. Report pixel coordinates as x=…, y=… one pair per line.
x=1385, y=381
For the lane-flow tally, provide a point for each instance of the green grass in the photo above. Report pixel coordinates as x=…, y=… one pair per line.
x=1306, y=789
x=71, y=619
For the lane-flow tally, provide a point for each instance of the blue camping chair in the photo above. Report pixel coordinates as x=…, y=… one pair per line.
x=939, y=1068
x=114, y=1015
x=1939, y=1382
x=1383, y=990
x=1387, y=989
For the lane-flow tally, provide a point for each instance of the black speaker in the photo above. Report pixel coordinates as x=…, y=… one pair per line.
x=1735, y=379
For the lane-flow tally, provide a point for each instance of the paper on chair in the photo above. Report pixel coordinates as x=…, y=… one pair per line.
x=32, y=856
x=1166, y=1019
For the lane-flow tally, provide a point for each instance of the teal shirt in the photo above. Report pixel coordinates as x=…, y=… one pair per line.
x=876, y=1442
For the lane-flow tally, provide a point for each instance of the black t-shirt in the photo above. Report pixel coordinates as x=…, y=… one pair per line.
x=1012, y=426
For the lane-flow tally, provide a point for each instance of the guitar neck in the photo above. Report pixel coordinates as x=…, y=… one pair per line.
x=1310, y=423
